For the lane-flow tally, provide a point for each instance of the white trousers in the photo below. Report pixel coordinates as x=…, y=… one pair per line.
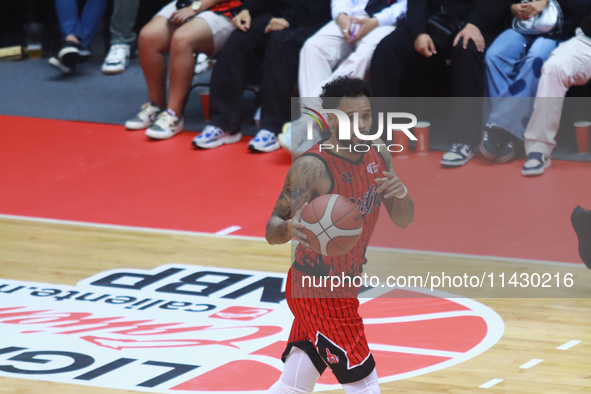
x=568, y=65
x=327, y=55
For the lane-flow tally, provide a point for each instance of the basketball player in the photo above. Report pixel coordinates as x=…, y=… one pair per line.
x=581, y=221
x=328, y=330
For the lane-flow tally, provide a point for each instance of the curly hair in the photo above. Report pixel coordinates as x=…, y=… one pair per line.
x=343, y=86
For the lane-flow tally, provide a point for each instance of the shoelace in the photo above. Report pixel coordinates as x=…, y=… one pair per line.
x=116, y=53
x=457, y=148
x=538, y=157
x=211, y=132
x=265, y=136
x=147, y=110
x=164, y=120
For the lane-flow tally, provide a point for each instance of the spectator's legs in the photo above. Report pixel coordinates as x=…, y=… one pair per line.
x=502, y=59
x=91, y=17
x=391, y=58
x=194, y=36
x=67, y=15
x=123, y=21
x=243, y=52
x=357, y=63
x=280, y=73
x=468, y=84
x=569, y=64
x=512, y=114
x=468, y=79
x=153, y=43
x=389, y=61
x=319, y=56
x=122, y=36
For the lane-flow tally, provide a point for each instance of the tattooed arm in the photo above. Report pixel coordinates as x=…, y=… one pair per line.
x=401, y=210
x=307, y=179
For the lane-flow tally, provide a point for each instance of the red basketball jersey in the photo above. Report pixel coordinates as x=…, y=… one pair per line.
x=356, y=181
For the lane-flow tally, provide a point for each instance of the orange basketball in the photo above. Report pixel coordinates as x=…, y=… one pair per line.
x=333, y=224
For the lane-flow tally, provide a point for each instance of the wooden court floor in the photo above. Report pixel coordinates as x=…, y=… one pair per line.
x=534, y=327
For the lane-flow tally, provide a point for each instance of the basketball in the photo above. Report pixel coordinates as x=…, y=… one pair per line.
x=333, y=224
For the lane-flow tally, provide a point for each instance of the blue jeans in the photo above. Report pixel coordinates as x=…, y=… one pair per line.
x=513, y=68
x=83, y=26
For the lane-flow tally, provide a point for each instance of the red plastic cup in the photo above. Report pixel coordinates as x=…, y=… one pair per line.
x=421, y=131
x=205, y=104
x=401, y=140
x=582, y=130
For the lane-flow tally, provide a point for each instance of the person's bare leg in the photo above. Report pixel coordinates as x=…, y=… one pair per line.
x=73, y=38
x=193, y=37
x=153, y=43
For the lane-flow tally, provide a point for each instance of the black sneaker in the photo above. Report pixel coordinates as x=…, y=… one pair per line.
x=55, y=62
x=535, y=164
x=489, y=147
x=506, y=152
x=457, y=156
x=73, y=53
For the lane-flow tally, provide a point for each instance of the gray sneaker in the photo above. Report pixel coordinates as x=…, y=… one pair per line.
x=166, y=126
x=145, y=118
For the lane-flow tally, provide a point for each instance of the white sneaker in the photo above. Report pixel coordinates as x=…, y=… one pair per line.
x=265, y=141
x=285, y=137
x=212, y=137
x=202, y=64
x=166, y=126
x=145, y=118
x=117, y=59
x=294, y=137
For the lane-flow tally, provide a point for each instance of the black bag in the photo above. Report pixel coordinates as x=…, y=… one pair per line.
x=443, y=29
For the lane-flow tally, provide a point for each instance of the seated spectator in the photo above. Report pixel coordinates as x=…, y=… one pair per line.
x=514, y=63
x=344, y=46
x=268, y=37
x=568, y=65
x=183, y=29
x=122, y=36
x=414, y=42
x=77, y=31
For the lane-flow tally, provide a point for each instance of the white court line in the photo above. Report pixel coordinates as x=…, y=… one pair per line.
x=490, y=383
x=414, y=318
x=569, y=344
x=531, y=363
x=415, y=350
x=228, y=230
x=151, y=230
x=262, y=239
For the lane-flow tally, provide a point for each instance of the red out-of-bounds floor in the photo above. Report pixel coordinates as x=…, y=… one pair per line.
x=105, y=174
